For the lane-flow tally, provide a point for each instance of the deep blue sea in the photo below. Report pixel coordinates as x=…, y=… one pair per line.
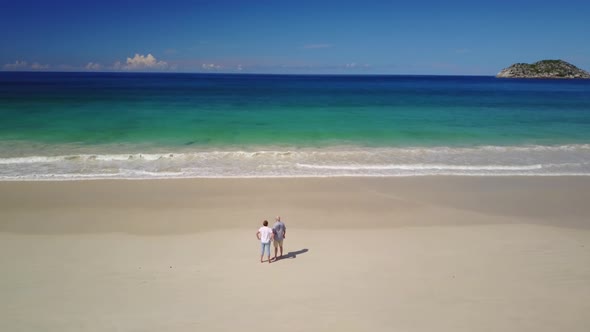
x=146, y=125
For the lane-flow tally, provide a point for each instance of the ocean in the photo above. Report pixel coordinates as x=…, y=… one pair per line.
x=67, y=126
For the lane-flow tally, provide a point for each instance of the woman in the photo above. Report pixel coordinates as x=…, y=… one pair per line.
x=265, y=235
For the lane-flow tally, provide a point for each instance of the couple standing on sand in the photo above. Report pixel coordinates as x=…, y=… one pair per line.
x=276, y=234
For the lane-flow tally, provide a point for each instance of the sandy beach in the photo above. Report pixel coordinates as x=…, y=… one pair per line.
x=381, y=254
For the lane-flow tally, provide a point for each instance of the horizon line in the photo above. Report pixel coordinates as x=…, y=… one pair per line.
x=232, y=73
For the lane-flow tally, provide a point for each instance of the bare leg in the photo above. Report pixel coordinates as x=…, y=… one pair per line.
x=281, y=251
x=269, y=257
x=261, y=257
x=276, y=249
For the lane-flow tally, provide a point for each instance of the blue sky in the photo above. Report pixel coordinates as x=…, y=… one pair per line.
x=296, y=37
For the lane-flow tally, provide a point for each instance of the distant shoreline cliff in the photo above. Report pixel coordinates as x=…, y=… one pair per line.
x=548, y=69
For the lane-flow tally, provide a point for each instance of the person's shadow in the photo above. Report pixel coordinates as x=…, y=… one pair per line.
x=293, y=254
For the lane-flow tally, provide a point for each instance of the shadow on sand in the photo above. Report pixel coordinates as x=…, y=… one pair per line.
x=293, y=254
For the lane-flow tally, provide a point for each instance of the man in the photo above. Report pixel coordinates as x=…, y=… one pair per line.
x=265, y=235
x=280, y=232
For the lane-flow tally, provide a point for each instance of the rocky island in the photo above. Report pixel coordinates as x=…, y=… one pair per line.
x=544, y=69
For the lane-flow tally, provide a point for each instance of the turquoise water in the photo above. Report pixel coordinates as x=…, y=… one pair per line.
x=78, y=125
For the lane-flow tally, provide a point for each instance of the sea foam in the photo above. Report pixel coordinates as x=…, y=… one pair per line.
x=320, y=162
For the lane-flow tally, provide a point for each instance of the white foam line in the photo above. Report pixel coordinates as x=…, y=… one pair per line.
x=294, y=153
x=97, y=178
x=423, y=167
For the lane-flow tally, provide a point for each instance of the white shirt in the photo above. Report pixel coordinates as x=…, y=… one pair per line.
x=265, y=233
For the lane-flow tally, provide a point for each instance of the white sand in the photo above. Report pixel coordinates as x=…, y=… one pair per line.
x=423, y=254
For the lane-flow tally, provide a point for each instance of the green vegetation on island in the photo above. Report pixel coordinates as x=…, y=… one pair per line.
x=544, y=69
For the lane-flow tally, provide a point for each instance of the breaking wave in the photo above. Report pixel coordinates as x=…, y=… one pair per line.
x=320, y=162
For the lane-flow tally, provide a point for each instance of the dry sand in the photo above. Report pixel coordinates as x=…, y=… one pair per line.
x=381, y=254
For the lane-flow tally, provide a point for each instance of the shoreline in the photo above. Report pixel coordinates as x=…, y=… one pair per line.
x=537, y=160
x=302, y=177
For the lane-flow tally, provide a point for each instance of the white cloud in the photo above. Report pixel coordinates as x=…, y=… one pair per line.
x=353, y=65
x=16, y=65
x=141, y=62
x=93, y=66
x=210, y=66
x=148, y=61
x=23, y=65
